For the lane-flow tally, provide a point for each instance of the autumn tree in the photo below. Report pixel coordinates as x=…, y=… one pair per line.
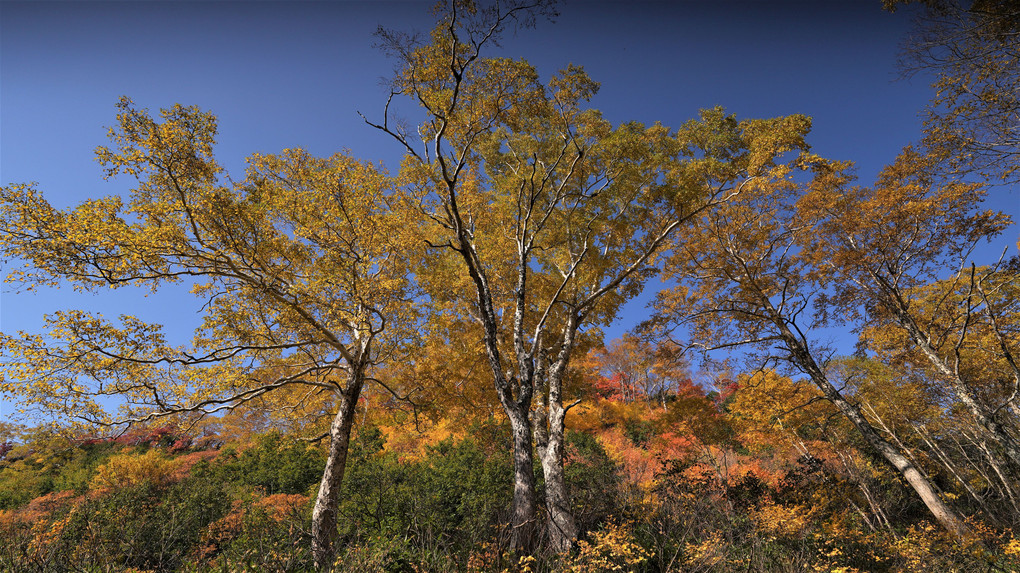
x=743, y=281
x=549, y=215
x=635, y=369
x=886, y=248
x=298, y=267
x=973, y=48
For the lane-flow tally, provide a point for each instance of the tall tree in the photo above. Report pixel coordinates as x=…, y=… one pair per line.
x=299, y=268
x=743, y=281
x=552, y=215
x=886, y=249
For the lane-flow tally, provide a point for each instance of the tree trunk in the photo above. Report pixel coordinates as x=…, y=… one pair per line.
x=800, y=355
x=945, y=515
x=324, y=516
x=920, y=484
x=984, y=418
x=522, y=520
x=560, y=526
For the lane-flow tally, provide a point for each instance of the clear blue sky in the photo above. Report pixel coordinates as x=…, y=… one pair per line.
x=295, y=74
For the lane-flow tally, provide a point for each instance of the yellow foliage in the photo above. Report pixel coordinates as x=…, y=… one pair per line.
x=706, y=554
x=767, y=405
x=923, y=543
x=411, y=443
x=612, y=549
x=1012, y=548
x=44, y=533
x=132, y=469
x=780, y=520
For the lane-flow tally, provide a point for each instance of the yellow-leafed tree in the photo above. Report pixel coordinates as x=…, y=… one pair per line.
x=299, y=267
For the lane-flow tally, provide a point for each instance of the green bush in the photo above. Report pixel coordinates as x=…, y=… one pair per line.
x=593, y=480
x=442, y=505
x=49, y=463
x=275, y=464
x=260, y=534
x=144, y=526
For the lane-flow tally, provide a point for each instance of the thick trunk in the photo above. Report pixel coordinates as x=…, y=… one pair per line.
x=522, y=520
x=560, y=526
x=942, y=512
x=324, y=516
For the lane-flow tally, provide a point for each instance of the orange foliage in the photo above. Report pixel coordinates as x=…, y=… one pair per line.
x=411, y=443
x=279, y=508
x=637, y=465
x=185, y=463
x=39, y=509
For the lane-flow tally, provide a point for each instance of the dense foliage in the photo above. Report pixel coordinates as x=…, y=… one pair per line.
x=751, y=485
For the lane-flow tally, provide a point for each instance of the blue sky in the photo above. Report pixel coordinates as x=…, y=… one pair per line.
x=295, y=74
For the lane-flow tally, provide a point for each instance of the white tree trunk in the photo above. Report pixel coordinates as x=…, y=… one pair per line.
x=324, y=516
x=560, y=525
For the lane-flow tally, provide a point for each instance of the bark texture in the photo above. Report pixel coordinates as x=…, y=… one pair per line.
x=560, y=525
x=324, y=515
x=523, y=521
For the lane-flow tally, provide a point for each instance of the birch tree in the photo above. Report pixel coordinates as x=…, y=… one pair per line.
x=744, y=281
x=298, y=268
x=544, y=218
x=902, y=253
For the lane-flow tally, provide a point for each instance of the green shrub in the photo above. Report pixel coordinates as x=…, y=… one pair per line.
x=442, y=505
x=593, y=480
x=275, y=463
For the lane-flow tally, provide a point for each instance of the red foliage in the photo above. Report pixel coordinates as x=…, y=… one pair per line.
x=169, y=436
x=727, y=388
x=612, y=388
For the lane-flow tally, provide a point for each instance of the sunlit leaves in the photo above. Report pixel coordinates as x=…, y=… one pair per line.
x=299, y=265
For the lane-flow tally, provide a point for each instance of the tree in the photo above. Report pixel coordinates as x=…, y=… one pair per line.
x=299, y=266
x=886, y=248
x=974, y=50
x=634, y=369
x=544, y=218
x=743, y=281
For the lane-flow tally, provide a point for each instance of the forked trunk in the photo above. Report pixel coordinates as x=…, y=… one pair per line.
x=324, y=516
